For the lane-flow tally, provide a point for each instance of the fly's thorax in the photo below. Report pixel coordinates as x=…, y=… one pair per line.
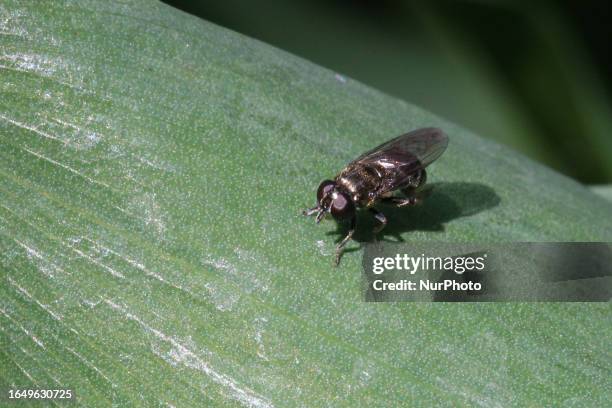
x=360, y=183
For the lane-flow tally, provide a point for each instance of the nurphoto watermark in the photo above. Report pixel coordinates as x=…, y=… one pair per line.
x=449, y=272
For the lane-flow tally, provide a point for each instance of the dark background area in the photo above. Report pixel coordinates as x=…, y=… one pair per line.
x=536, y=77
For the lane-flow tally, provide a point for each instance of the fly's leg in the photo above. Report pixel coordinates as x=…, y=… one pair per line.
x=413, y=191
x=381, y=218
x=402, y=202
x=346, y=239
x=417, y=180
x=311, y=211
x=420, y=179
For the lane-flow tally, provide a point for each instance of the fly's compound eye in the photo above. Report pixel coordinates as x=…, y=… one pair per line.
x=342, y=206
x=325, y=188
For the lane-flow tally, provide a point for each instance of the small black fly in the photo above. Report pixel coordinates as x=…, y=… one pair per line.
x=398, y=164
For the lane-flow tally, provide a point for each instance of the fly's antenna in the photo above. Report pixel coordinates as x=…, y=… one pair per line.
x=323, y=208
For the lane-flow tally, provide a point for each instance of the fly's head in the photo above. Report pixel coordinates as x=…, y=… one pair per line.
x=330, y=199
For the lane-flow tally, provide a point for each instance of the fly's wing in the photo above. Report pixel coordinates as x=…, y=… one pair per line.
x=400, y=158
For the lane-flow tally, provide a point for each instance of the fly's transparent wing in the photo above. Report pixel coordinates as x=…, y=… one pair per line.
x=417, y=148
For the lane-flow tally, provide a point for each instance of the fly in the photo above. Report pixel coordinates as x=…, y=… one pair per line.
x=398, y=164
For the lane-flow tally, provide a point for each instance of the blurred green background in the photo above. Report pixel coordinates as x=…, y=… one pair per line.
x=532, y=76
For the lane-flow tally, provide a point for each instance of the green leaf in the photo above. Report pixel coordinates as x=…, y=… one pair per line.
x=153, y=169
x=604, y=191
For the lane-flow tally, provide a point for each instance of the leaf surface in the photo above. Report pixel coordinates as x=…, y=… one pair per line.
x=153, y=169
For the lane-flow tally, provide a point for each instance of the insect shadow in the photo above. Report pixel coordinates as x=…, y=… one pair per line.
x=444, y=203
